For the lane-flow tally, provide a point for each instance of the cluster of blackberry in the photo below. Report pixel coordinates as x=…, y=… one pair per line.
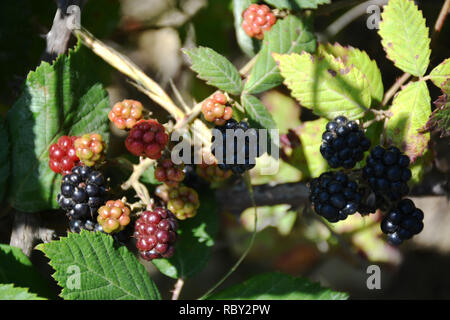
x=382, y=184
x=83, y=192
x=231, y=152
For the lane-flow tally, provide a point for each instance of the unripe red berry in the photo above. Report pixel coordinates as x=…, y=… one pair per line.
x=257, y=19
x=147, y=138
x=126, y=113
x=114, y=216
x=90, y=148
x=215, y=110
x=62, y=155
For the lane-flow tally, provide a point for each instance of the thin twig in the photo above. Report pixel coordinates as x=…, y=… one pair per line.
x=133, y=180
x=442, y=16
x=179, y=97
x=247, y=250
x=177, y=289
x=248, y=66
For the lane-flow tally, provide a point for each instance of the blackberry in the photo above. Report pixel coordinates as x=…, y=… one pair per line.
x=257, y=19
x=76, y=225
x=90, y=148
x=402, y=222
x=126, y=113
x=387, y=172
x=155, y=233
x=243, y=151
x=114, y=216
x=82, y=193
x=215, y=110
x=343, y=143
x=169, y=173
x=335, y=196
x=147, y=138
x=62, y=155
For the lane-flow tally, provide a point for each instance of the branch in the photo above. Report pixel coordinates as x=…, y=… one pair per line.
x=59, y=35
x=294, y=194
x=177, y=289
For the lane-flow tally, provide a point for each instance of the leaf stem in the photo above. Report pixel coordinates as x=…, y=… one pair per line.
x=177, y=289
x=250, y=244
x=133, y=180
x=393, y=90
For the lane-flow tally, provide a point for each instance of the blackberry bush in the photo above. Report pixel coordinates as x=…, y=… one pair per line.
x=62, y=155
x=402, y=222
x=126, y=113
x=335, y=196
x=83, y=192
x=242, y=157
x=343, y=143
x=387, y=172
x=155, y=233
x=147, y=138
x=257, y=19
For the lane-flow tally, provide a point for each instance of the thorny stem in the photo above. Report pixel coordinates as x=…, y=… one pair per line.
x=133, y=180
x=250, y=244
x=177, y=289
x=441, y=18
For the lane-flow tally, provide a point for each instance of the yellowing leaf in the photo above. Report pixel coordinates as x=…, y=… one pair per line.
x=411, y=109
x=404, y=36
x=325, y=84
x=441, y=76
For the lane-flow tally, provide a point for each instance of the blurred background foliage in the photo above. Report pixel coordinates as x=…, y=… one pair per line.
x=151, y=33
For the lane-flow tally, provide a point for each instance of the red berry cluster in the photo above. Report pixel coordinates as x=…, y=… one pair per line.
x=169, y=173
x=126, y=113
x=62, y=155
x=257, y=19
x=147, y=138
x=155, y=233
x=212, y=173
x=214, y=109
x=114, y=216
x=90, y=148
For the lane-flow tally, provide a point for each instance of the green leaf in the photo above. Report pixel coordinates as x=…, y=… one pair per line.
x=292, y=34
x=404, y=36
x=248, y=45
x=310, y=134
x=297, y=4
x=58, y=99
x=4, y=159
x=359, y=59
x=420, y=167
x=105, y=271
x=440, y=117
x=257, y=113
x=284, y=110
x=260, y=118
x=441, y=76
x=9, y=292
x=16, y=268
x=325, y=85
x=278, y=286
x=196, y=238
x=215, y=69
x=411, y=109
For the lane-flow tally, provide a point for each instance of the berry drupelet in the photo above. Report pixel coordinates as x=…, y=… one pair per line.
x=169, y=173
x=155, y=233
x=402, y=222
x=257, y=19
x=387, y=172
x=215, y=110
x=335, y=196
x=63, y=155
x=83, y=191
x=126, y=113
x=243, y=151
x=147, y=138
x=343, y=143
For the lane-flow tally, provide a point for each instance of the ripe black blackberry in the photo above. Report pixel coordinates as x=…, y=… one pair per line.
x=402, y=222
x=242, y=156
x=83, y=191
x=155, y=233
x=335, y=196
x=387, y=172
x=343, y=143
